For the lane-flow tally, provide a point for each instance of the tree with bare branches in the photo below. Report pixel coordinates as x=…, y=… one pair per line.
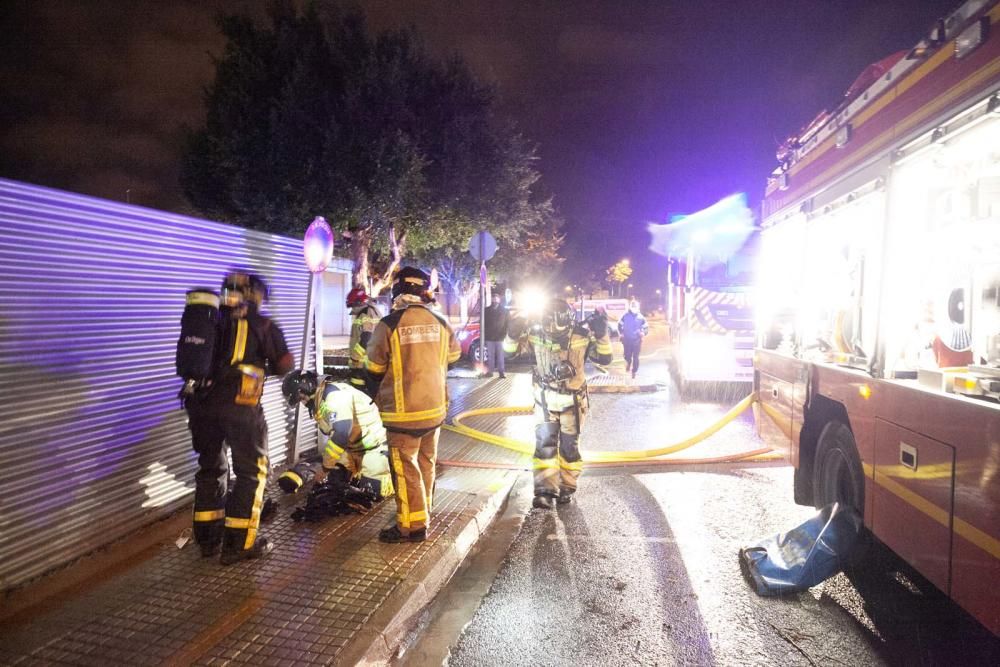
x=311, y=114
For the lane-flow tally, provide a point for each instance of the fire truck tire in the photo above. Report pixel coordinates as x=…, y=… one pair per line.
x=837, y=472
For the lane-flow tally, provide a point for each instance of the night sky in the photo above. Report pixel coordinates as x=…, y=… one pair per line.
x=640, y=109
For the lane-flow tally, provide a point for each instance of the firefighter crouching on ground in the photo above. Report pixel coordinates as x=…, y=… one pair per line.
x=364, y=317
x=228, y=411
x=561, y=348
x=408, y=358
x=355, y=436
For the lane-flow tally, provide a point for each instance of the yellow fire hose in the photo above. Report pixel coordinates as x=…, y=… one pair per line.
x=606, y=458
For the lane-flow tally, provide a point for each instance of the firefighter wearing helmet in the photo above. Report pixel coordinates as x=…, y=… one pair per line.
x=561, y=347
x=228, y=412
x=408, y=358
x=355, y=435
x=364, y=317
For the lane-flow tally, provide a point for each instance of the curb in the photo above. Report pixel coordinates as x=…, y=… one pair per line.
x=395, y=619
x=621, y=388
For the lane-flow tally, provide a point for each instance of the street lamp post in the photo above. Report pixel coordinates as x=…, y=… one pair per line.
x=629, y=290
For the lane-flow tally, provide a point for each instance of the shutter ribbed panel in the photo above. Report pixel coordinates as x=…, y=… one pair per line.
x=93, y=441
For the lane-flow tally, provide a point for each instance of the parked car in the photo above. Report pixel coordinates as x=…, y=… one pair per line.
x=468, y=339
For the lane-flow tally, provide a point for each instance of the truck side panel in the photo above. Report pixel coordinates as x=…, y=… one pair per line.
x=972, y=429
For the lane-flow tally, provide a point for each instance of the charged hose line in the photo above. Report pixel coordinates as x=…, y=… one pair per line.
x=755, y=455
x=602, y=458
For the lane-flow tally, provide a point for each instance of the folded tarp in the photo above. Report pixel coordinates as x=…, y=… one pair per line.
x=804, y=556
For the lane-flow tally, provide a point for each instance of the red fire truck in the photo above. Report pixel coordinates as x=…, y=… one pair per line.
x=877, y=366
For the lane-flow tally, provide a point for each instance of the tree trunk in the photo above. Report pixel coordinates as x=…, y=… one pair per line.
x=396, y=247
x=361, y=242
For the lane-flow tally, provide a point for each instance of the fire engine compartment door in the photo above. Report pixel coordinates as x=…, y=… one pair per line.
x=774, y=416
x=912, y=505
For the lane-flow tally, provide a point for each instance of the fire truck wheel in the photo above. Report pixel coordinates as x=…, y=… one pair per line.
x=837, y=474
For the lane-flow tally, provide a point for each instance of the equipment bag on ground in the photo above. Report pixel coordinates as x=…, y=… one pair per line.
x=805, y=555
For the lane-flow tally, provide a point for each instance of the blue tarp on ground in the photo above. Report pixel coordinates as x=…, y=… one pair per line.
x=804, y=556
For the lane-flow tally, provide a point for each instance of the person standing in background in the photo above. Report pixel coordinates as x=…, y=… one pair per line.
x=364, y=317
x=495, y=321
x=632, y=327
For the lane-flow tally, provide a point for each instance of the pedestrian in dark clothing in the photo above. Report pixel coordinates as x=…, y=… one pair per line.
x=495, y=323
x=228, y=412
x=632, y=327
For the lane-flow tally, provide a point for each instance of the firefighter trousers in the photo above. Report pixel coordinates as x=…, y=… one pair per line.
x=557, y=462
x=221, y=513
x=412, y=459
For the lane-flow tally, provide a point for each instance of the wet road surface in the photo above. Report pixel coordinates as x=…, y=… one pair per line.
x=642, y=567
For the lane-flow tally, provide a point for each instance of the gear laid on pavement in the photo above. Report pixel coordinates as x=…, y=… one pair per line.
x=337, y=495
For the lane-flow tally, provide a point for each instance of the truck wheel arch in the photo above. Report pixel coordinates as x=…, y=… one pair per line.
x=819, y=412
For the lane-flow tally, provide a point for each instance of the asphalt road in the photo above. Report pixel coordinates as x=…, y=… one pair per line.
x=641, y=569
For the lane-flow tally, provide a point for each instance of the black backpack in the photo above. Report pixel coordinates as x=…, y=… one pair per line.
x=199, y=339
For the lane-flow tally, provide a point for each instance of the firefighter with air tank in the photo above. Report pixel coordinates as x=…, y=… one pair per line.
x=224, y=409
x=561, y=347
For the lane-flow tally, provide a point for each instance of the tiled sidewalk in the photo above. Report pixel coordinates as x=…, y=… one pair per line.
x=329, y=593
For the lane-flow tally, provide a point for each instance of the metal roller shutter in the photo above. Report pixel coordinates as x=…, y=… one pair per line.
x=93, y=441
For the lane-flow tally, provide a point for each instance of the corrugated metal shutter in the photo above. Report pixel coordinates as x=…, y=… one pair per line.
x=93, y=442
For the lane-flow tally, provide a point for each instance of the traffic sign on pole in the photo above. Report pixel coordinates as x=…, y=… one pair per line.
x=482, y=246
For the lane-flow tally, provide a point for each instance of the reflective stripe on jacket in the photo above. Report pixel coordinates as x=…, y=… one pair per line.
x=363, y=322
x=410, y=350
x=575, y=348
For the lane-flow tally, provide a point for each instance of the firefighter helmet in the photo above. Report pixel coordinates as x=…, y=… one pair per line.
x=239, y=287
x=299, y=385
x=557, y=317
x=357, y=297
x=411, y=280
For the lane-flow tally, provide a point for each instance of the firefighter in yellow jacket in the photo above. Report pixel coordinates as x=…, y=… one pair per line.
x=408, y=358
x=561, y=348
x=355, y=435
x=364, y=317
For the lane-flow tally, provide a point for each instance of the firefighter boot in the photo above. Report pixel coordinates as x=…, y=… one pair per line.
x=565, y=496
x=231, y=553
x=392, y=535
x=543, y=502
x=209, y=539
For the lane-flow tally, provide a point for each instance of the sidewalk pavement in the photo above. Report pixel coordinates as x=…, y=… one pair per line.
x=330, y=592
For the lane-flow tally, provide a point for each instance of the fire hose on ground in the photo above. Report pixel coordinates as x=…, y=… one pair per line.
x=644, y=457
